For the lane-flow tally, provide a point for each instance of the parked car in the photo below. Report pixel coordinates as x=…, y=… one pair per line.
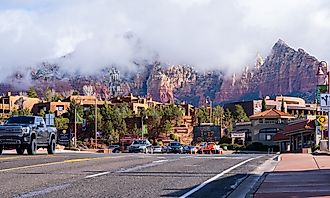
x=175, y=147
x=115, y=148
x=158, y=149
x=190, y=149
x=140, y=146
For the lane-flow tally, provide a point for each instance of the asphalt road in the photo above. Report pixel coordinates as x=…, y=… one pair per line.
x=124, y=175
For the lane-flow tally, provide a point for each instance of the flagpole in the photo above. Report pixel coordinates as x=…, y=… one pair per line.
x=75, y=126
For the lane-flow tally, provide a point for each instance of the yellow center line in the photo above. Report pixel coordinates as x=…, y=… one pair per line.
x=61, y=162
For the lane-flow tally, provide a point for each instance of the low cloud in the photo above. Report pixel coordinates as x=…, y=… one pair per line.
x=209, y=34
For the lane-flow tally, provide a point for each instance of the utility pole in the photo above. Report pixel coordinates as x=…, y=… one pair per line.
x=95, y=122
x=75, y=126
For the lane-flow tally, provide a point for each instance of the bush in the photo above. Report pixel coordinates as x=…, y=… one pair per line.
x=232, y=147
x=225, y=140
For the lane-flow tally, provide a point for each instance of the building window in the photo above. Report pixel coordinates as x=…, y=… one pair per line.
x=269, y=137
x=60, y=108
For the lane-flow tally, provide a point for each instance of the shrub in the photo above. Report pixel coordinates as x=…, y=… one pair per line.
x=225, y=140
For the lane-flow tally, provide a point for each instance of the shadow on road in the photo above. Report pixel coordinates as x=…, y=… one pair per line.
x=221, y=187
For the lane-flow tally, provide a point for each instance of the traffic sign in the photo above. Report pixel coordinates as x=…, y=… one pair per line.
x=325, y=100
x=322, y=120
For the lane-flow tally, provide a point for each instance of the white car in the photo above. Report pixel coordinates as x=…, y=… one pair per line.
x=157, y=149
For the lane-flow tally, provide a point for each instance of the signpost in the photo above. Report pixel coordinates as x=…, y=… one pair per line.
x=325, y=106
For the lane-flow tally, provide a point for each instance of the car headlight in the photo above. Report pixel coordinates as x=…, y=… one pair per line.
x=25, y=130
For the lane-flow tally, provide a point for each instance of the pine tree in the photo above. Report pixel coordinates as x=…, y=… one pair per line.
x=282, y=106
x=32, y=93
x=263, y=104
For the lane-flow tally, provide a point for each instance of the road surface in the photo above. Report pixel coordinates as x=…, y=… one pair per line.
x=124, y=175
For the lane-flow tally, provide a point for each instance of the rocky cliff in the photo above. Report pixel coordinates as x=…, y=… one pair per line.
x=284, y=72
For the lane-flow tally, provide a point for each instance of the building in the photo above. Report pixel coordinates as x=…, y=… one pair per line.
x=298, y=136
x=136, y=104
x=292, y=105
x=9, y=103
x=61, y=107
x=262, y=127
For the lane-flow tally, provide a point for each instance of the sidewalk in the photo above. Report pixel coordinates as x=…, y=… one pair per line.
x=298, y=175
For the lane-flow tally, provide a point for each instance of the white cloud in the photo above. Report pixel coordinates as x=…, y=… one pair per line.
x=210, y=34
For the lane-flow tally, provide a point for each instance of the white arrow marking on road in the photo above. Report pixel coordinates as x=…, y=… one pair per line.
x=216, y=177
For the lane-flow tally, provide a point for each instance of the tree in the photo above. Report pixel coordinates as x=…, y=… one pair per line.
x=202, y=115
x=218, y=112
x=75, y=93
x=42, y=113
x=263, y=104
x=20, y=112
x=167, y=128
x=32, y=93
x=282, y=106
x=228, y=120
x=79, y=110
x=61, y=123
x=240, y=115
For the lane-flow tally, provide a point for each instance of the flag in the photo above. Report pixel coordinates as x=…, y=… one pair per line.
x=79, y=119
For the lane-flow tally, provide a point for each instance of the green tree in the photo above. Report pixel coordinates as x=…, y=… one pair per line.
x=263, y=104
x=61, y=123
x=202, y=115
x=75, y=93
x=228, y=120
x=32, y=93
x=167, y=128
x=218, y=112
x=42, y=113
x=20, y=112
x=240, y=115
x=72, y=107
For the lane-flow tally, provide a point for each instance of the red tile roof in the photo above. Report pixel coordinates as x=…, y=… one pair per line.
x=299, y=126
x=280, y=136
x=272, y=113
x=294, y=127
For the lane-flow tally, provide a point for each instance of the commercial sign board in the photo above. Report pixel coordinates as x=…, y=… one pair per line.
x=238, y=135
x=206, y=133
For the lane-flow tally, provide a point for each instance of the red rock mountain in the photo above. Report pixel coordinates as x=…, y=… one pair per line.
x=284, y=71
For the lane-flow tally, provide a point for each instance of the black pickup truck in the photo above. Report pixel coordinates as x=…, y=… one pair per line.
x=27, y=132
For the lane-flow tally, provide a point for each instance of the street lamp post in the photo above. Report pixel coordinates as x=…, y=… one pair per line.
x=75, y=126
x=95, y=122
x=322, y=65
x=142, y=126
x=208, y=100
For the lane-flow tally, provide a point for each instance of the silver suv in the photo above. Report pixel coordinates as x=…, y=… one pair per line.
x=140, y=146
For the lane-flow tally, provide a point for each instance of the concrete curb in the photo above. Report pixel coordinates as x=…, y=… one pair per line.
x=252, y=182
x=262, y=177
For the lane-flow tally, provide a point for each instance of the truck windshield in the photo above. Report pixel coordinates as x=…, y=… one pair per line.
x=20, y=120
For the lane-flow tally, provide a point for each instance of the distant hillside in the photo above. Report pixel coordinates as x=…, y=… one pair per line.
x=284, y=72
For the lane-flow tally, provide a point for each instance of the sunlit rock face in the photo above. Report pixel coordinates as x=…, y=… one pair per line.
x=284, y=72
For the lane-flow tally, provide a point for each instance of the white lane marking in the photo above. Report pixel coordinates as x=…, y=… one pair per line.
x=159, y=161
x=98, y=174
x=44, y=191
x=216, y=177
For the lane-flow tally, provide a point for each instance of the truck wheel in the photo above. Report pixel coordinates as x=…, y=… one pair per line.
x=20, y=150
x=51, y=147
x=32, y=148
